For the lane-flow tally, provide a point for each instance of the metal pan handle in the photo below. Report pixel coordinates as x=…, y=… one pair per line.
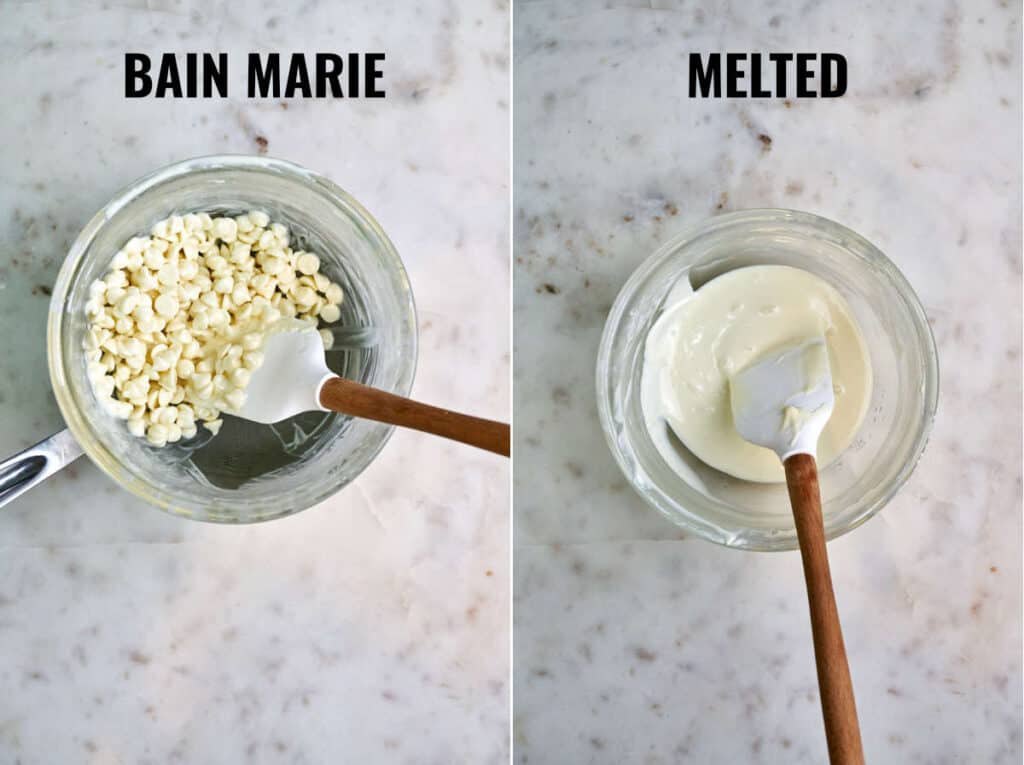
x=35, y=464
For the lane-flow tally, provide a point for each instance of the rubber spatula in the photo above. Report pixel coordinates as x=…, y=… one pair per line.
x=782, y=402
x=294, y=378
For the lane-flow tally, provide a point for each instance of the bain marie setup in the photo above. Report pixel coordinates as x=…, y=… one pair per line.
x=334, y=634
x=158, y=323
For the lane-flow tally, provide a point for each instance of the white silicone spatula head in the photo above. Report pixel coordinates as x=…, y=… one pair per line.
x=289, y=379
x=783, y=400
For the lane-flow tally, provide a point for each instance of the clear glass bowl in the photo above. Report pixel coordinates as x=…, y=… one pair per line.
x=248, y=472
x=864, y=478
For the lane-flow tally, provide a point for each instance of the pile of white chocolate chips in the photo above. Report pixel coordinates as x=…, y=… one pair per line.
x=177, y=325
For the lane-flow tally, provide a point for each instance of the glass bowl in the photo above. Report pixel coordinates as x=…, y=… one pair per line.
x=863, y=478
x=247, y=472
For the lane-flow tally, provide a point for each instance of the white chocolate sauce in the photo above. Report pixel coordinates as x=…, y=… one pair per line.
x=703, y=337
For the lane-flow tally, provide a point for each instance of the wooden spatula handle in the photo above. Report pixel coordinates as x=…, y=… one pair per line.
x=357, y=400
x=837, y=704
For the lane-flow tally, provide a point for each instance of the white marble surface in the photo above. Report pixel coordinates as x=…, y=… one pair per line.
x=634, y=645
x=373, y=628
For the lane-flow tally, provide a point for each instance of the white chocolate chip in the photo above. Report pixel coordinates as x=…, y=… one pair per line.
x=157, y=434
x=333, y=294
x=304, y=296
x=166, y=305
x=307, y=263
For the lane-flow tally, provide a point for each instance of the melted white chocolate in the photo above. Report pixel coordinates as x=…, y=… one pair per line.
x=702, y=338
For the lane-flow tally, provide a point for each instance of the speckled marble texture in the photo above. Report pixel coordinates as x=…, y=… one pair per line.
x=634, y=644
x=373, y=628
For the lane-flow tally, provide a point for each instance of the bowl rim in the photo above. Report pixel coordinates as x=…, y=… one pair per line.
x=94, y=448
x=672, y=509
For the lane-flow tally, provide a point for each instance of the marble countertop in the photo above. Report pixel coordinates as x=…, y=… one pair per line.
x=635, y=644
x=373, y=628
